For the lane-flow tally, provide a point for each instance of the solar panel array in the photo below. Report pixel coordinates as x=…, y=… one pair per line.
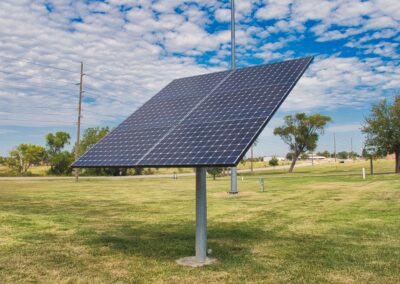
x=206, y=120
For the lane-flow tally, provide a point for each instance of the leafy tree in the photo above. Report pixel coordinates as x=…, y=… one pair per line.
x=273, y=162
x=61, y=163
x=382, y=128
x=24, y=156
x=215, y=171
x=304, y=156
x=289, y=156
x=251, y=154
x=342, y=155
x=91, y=136
x=301, y=133
x=56, y=142
x=325, y=154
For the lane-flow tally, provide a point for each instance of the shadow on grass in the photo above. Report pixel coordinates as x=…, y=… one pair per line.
x=166, y=241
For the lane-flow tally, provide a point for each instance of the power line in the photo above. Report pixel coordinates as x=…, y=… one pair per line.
x=33, y=113
x=30, y=120
x=38, y=64
x=35, y=77
x=37, y=86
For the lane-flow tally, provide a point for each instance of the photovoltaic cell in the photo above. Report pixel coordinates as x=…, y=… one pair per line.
x=206, y=120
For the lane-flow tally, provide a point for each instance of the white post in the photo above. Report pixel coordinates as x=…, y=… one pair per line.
x=363, y=173
x=201, y=215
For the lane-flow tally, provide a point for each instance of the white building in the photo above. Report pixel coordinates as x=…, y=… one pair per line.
x=268, y=158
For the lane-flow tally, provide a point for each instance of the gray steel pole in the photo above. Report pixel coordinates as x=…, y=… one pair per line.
x=233, y=67
x=201, y=215
x=234, y=180
x=233, y=61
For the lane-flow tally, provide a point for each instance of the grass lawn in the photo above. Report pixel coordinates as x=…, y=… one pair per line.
x=305, y=228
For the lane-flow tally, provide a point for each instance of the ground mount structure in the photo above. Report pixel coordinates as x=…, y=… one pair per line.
x=201, y=121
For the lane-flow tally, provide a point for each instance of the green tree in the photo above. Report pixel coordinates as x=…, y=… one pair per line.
x=382, y=128
x=251, y=154
x=273, y=162
x=56, y=142
x=325, y=154
x=60, y=161
x=304, y=156
x=342, y=155
x=91, y=136
x=289, y=156
x=301, y=133
x=24, y=156
x=215, y=171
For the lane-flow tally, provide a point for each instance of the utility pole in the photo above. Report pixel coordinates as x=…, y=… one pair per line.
x=233, y=67
x=78, y=128
x=351, y=149
x=334, y=145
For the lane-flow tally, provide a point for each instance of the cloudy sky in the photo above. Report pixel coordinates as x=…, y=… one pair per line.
x=131, y=49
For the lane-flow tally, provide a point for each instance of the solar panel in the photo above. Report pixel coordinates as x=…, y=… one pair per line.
x=205, y=120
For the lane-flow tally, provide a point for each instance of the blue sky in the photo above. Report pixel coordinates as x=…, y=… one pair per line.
x=131, y=49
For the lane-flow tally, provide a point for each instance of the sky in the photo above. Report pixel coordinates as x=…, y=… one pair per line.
x=131, y=49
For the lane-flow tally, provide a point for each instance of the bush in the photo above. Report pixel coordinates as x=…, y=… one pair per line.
x=273, y=162
x=61, y=163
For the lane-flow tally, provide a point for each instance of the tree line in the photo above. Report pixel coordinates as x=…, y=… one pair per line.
x=300, y=132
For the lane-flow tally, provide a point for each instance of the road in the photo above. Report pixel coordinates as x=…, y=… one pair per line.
x=146, y=176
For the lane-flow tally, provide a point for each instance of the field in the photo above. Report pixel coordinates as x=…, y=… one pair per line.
x=318, y=225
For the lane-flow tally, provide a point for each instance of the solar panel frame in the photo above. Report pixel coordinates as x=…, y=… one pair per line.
x=229, y=74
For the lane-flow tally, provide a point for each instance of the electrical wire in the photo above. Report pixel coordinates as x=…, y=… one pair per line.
x=38, y=86
x=21, y=59
x=30, y=120
x=35, y=77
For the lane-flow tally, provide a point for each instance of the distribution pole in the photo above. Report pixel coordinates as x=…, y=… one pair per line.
x=78, y=128
x=233, y=67
x=334, y=145
x=351, y=148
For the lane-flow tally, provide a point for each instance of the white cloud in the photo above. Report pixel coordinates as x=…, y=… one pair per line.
x=344, y=128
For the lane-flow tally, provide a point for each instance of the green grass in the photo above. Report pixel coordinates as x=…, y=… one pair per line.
x=305, y=228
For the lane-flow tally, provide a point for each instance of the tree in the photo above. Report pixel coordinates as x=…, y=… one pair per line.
x=24, y=156
x=325, y=154
x=304, y=156
x=91, y=136
x=273, y=162
x=215, y=171
x=289, y=156
x=343, y=155
x=382, y=128
x=60, y=162
x=251, y=154
x=301, y=133
x=56, y=142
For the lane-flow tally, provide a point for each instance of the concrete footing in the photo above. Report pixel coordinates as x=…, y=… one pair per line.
x=192, y=261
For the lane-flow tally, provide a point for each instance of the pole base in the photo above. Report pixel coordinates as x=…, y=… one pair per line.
x=192, y=261
x=233, y=192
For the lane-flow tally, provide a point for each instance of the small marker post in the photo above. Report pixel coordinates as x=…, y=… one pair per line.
x=363, y=173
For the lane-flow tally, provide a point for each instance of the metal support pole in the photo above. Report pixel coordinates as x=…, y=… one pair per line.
x=201, y=215
x=233, y=52
x=233, y=180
